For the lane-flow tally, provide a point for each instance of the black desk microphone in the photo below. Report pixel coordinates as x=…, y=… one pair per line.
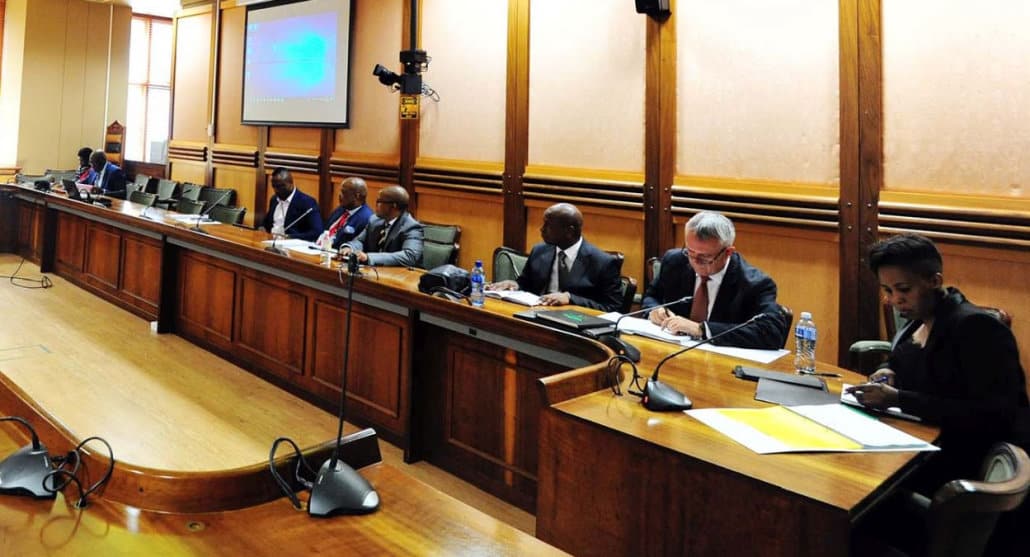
x=620, y=346
x=281, y=251
x=659, y=396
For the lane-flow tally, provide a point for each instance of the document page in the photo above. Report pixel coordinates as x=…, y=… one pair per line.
x=516, y=296
x=866, y=430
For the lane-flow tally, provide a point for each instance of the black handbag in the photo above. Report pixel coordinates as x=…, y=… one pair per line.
x=445, y=278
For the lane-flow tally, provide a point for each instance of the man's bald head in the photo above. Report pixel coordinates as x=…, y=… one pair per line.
x=392, y=201
x=563, y=225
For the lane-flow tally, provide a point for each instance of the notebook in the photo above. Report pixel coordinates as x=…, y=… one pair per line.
x=572, y=319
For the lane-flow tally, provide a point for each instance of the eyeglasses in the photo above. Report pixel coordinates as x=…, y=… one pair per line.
x=701, y=259
x=385, y=202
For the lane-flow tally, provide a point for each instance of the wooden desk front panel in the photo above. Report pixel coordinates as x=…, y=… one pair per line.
x=482, y=416
x=271, y=323
x=207, y=298
x=70, y=251
x=378, y=379
x=605, y=493
x=30, y=231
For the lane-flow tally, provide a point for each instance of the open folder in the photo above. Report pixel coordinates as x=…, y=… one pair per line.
x=811, y=428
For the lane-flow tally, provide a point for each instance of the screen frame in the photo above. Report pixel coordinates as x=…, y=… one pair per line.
x=345, y=124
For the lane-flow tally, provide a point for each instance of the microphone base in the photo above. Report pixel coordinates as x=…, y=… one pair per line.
x=198, y=229
x=341, y=491
x=620, y=346
x=274, y=249
x=23, y=471
x=660, y=397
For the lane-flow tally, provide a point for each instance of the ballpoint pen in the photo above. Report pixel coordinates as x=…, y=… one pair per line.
x=819, y=373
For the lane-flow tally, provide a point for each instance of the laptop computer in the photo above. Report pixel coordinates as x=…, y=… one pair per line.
x=72, y=190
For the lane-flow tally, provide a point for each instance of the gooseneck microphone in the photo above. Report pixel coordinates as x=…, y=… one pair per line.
x=204, y=213
x=338, y=488
x=624, y=348
x=660, y=397
x=281, y=251
x=25, y=470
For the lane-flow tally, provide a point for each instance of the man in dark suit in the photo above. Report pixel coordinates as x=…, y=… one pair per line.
x=566, y=269
x=729, y=292
x=393, y=237
x=351, y=217
x=291, y=212
x=109, y=178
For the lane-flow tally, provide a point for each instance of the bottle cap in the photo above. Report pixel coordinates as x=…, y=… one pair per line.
x=806, y=315
x=479, y=263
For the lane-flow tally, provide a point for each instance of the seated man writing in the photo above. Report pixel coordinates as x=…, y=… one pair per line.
x=565, y=268
x=392, y=237
x=727, y=290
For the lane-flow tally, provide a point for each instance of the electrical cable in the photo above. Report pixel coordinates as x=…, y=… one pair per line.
x=44, y=281
x=301, y=461
x=72, y=475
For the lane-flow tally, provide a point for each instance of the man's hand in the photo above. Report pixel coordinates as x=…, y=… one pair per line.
x=555, y=299
x=658, y=316
x=503, y=285
x=682, y=326
x=879, y=392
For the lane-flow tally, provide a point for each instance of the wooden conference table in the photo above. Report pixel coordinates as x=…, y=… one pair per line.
x=518, y=409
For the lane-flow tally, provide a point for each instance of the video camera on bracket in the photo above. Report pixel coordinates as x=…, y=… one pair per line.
x=410, y=82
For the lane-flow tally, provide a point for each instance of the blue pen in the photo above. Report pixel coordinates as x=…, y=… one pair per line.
x=881, y=379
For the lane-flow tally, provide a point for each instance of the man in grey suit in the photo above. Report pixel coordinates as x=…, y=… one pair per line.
x=393, y=237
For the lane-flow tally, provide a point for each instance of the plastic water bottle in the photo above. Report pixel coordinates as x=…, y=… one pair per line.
x=804, y=343
x=325, y=243
x=478, y=280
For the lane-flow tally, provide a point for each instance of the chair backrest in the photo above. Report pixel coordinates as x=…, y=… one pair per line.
x=142, y=181
x=652, y=269
x=508, y=263
x=143, y=198
x=212, y=196
x=165, y=189
x=189, y=206
x=963, y=513
x=190, y=191
x=629, y=290
x=228, y=215
x=439, y=244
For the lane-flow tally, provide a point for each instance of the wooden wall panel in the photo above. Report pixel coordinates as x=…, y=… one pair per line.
x=207, y=298
x=229, y=99
x=480, y=216
x=300, y=139
x=182, y=171
x=192, y=77
x=242, y=180
x=271, y=324
x=141, y=275
x=308, y=183
x=103, y=255
x=608, y=229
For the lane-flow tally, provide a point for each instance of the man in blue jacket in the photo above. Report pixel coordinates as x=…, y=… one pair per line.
x=351, y=217
x=291, y=212
x=109, y=178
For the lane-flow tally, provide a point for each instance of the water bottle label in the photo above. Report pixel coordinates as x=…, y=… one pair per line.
x=805, y=333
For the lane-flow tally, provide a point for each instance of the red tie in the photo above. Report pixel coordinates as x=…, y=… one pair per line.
x=699, y=308
x=339, y=223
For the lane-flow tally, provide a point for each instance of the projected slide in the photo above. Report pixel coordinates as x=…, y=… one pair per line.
x=294, y=57
x=296, y=63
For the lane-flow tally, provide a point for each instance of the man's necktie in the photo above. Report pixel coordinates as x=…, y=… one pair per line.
x=338, y=224
x=699, y=308
x=563, y=271
x=381, y=242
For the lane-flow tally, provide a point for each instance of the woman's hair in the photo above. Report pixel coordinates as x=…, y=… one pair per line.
x=85, y=152
x=913, y=252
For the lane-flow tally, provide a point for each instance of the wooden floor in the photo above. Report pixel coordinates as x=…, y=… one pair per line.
x=161, y=402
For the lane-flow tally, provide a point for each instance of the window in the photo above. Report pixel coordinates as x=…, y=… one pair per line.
x=150, y=91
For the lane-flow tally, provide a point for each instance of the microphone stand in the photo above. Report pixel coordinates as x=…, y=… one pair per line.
x=202, y=214
x=660, y=397
x=281, y=251
x=338, y=487
x=25, y=470
x=624, y=348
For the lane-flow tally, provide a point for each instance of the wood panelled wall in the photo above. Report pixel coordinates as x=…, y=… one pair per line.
x=565, y=137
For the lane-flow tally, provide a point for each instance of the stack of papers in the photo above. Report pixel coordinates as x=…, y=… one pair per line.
x=294, y=244
x=812, y=428
x=191, y=219
x=644, y=328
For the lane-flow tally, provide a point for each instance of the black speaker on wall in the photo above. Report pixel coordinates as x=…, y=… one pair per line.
x=658, y=9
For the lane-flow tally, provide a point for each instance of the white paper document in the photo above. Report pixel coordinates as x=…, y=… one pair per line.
x=645, y=328
x=850, y=400
x=294, y=244
x=515, y=296
x=870, y=432
x=191, y=219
